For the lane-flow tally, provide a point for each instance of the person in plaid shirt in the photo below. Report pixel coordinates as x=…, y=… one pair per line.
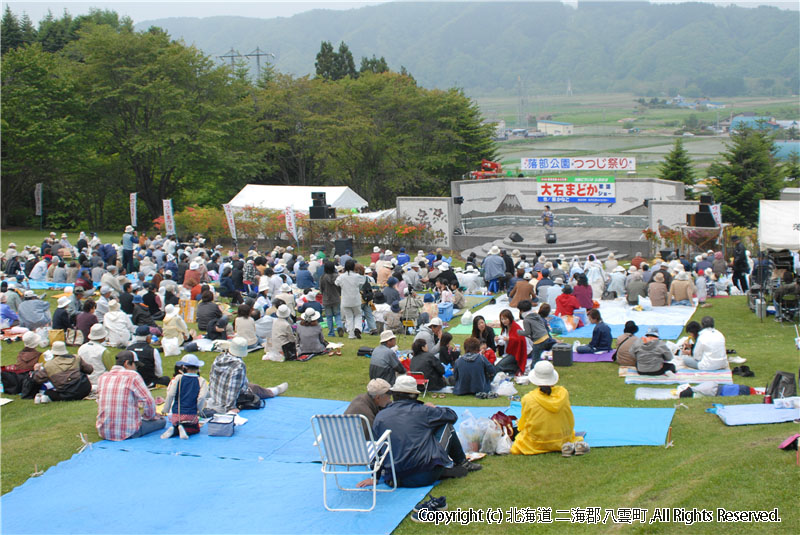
x=120, y=391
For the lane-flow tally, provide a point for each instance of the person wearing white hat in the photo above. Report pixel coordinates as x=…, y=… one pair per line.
x=547, y=423
x=369, y=404
x=682, y=289
x=27, y=358
x=384, y=364
x=431, y=333
x=129, y=240
x=424, y=443
x=192, y=276
x=175, y=326
x=186, y=397
x=284, y=340
x=310, y=341
x=229, y=388
x=66, y=373
x=118, y=324
x=92, y=352
x=494, y=268
x=286, y=296
x=616, y=282
x=61, y=317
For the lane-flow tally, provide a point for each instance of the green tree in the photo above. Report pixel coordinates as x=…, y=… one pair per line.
x=10, y=32
x=28, y=31
x=344, y=65
x=747, y=174
x=326, y=58
x=677, y=166
x=373, y=65
x=791, y=171
x=335, y=65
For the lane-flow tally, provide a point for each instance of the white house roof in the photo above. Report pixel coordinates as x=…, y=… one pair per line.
x=298, y=197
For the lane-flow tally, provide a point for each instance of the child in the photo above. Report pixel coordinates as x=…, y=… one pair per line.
x=381, y=308
x=489, y=353
x=186, y=396
x=459, y=301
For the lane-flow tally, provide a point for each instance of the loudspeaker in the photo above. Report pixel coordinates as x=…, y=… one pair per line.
x=331, y=212
x=706, y=199
x=318, y=212
x=318, y=198
x=691, y=220
x=704, y=219
x=458, y=200
x=515, y=237
x=341, y=246
x=551, y=237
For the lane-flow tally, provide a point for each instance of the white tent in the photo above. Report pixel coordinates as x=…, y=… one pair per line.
x=779, y=225
x=298, y=197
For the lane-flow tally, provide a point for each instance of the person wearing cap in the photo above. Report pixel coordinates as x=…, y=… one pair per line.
x=120, y=392
x=186, y=397
x=141, y=313
x=129, y=239
x=148, y=358
x=652, y=355
x=601, y=334
x=310, y=340
x=625, y=341
x=64, y=376
x=431, y=332
x=494, y=268
x=369, y=404
x=384, y=364
x=284, y=339
x=106, y=294
x=546, y=423
x=424, y=443
x=228, y=380
x=92, y=352
x=119, y=327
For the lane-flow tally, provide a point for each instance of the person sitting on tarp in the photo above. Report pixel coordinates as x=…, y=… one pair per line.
x=652, y=355
x=120, y=392
x=186, y=396
x=601, y=335
x=709, y=350
x=547, y=423
x=625, y=342
x=424, y=444
x=369, y=404
x=149, y=358
x=472, y=373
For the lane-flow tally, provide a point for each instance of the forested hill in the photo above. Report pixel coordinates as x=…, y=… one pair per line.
x=485, y=47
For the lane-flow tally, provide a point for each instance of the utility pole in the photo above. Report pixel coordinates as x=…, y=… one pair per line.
x=231, y=54
x=258, y=54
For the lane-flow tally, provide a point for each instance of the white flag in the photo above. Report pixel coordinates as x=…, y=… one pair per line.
x=37, y=196
x=231, y=221
x=716, y=212
x=133, y=209
x=291, y=223
x=169, y=220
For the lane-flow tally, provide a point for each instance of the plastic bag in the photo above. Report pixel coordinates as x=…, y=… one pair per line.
x=506, y=388
x=273, y=356
x=499, y=377
x=492, y=434
x=503, y=445
x=466, y=318
x=645, y=303
x=171, y=347
x=557, y=325
x=469, y=433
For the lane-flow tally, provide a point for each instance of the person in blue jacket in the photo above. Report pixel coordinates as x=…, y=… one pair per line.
x=402, y=257
x=304, y=278
x=228, y=289
x=601, y=336
x=472, y=372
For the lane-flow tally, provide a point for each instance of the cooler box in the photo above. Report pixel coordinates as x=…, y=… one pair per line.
x=446, y=311
x=562, y=355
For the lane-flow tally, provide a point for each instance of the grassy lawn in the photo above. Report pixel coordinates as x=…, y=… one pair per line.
x=710, y=466
x=23, y=237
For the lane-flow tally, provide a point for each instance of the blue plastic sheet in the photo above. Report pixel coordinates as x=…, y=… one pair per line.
x=666, y=332
x=756, y=413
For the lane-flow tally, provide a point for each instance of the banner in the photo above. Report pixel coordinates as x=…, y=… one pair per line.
x=37, y=196
x=231, y=221
x=291, y=223
x=133, y=209
x=576, y=189
x=169, y=220
x=716, y=212
x=578, y=164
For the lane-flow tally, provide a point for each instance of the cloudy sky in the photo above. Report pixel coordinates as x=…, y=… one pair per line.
x=143, y=11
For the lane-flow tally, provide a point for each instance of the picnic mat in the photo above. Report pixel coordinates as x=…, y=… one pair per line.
x=666, y=332
x=594, y=357
x=757, y=413
x=683, y=375
x=188, y=494
x=646, y=392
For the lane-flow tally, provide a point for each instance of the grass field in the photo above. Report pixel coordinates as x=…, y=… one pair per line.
x=710, y=465
x=24, y=237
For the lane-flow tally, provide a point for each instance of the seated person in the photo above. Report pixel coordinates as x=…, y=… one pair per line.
x=472, y=373
x=692, y=332
x=175, y=326
x=459, y=301
x=657, y=291
x=709, y=350
x=284, y=339
x=429, y=365
x=219, y=329
x=310, y=340
x=27, y=358
x=601, y=335
x=67, y=374
x=148, y=358
x=392, y=319
x=92, y=352
x=546, y=423
x=384, y=364
x=376, y=398
x=448, y=353
x=652, y=355
x=120, y=391
x=625, y=343
x=424, y=443
x=186, y=396
x=118, y=325
x=566, y=304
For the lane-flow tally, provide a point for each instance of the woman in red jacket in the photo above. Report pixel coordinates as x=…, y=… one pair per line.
x=566, y=303
x=513, y=341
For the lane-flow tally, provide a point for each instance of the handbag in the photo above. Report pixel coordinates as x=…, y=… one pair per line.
x=248, y=401
x=221, y=425
x=55, y=335
x=73, y=337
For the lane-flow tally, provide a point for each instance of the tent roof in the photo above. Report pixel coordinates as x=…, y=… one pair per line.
x=779, y=225
x=298, y=197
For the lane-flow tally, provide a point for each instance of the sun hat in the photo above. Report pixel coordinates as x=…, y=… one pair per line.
x=279, y=268
x=396, y=307
x=428, y=298
x=630, y=327
x=444, y=266
x=435, y=322
x=543, y=374
x=129, y=229
x=63, y=301
x=31, y=339
x=619, y=269
x=653, y=331
x=378, y=387
x=59, y=348
x=194, y=265
x=559, y=280
x=113, y=305
x=105, y=290
x=97, y=332
x=170, y=310
x=387, y=252
x=405, y=384
x=190, y=360
x=238, y=346
x=527, y=276
x=494, y=250
x=283, y=311
x=285, y=288
x=376, y=249
x=682, y=276
x=386, y=336
x=658, y=277
x=309, y=314
x=137, y=299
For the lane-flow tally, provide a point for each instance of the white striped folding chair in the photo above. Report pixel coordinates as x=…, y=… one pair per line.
x=344, y=450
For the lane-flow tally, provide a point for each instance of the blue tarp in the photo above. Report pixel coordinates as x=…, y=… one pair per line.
x=666, y=332
x=757, y=413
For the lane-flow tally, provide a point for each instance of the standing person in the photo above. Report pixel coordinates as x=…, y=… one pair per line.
x=350, y=283
x=129, y=238
x=331, y=299
x=186, y=397
x=120, y=391
x=494, y=269
x=548, y=220
x=741, y=267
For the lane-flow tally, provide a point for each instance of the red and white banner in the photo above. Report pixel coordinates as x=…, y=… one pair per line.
x=169, y=220
x=291, y=223
x=716, y=212
x=231, y=222
x=133, y=209
x=37, y=196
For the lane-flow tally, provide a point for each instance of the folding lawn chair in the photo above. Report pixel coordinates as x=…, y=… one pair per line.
x=788, y=308
x=341, y=442
x=421, y=381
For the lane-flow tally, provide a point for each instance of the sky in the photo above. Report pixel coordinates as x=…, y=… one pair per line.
x=149, y=10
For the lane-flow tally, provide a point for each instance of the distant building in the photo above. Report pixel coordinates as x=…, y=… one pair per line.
x=555, y=128
x=786, y=148
x=791, y=123
x=755, y=122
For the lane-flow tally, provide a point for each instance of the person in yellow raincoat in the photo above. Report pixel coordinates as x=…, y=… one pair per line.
x=547, y=423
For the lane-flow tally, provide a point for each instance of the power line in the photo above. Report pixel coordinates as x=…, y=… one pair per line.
x=257, y=53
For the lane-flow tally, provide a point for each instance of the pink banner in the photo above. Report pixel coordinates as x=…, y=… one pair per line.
x=291, y=223
x=169, y=220
x=133, y=209
x=231, y=221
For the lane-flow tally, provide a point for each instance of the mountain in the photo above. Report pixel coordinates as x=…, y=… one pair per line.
x=485, y=47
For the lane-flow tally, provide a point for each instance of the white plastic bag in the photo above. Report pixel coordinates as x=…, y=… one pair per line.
x=466, y=318
x=274, y=356
x=503, y=445
x=506, y=388
x=469, y=433
x=171, y=347
x=491, y=435
x=645, y=303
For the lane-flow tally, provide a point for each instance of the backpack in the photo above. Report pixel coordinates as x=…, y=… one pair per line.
x=247, y=401
x=367, y=293
x=782, y=386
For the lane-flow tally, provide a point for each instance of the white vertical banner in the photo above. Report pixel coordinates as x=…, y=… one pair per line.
x=169, y=220
x=291, y=222
x=716, y=212
x=37, y=197
x=231, y=221
x=133, y=209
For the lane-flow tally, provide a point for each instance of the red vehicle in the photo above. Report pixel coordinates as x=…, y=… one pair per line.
x=489, y=169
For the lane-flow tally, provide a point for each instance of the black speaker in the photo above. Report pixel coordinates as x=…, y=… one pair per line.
x=331, y=212
x=706, y=199
x=515, y=237
x=551, y=237
x=318, y=212
x=318, y=198
x=458, y=200
x=691, y=220
x=342, y=246
x=704, y=219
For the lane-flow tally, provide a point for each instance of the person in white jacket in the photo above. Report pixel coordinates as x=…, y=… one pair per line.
x=119, y=326
x=351, y=282
x=709, y=350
